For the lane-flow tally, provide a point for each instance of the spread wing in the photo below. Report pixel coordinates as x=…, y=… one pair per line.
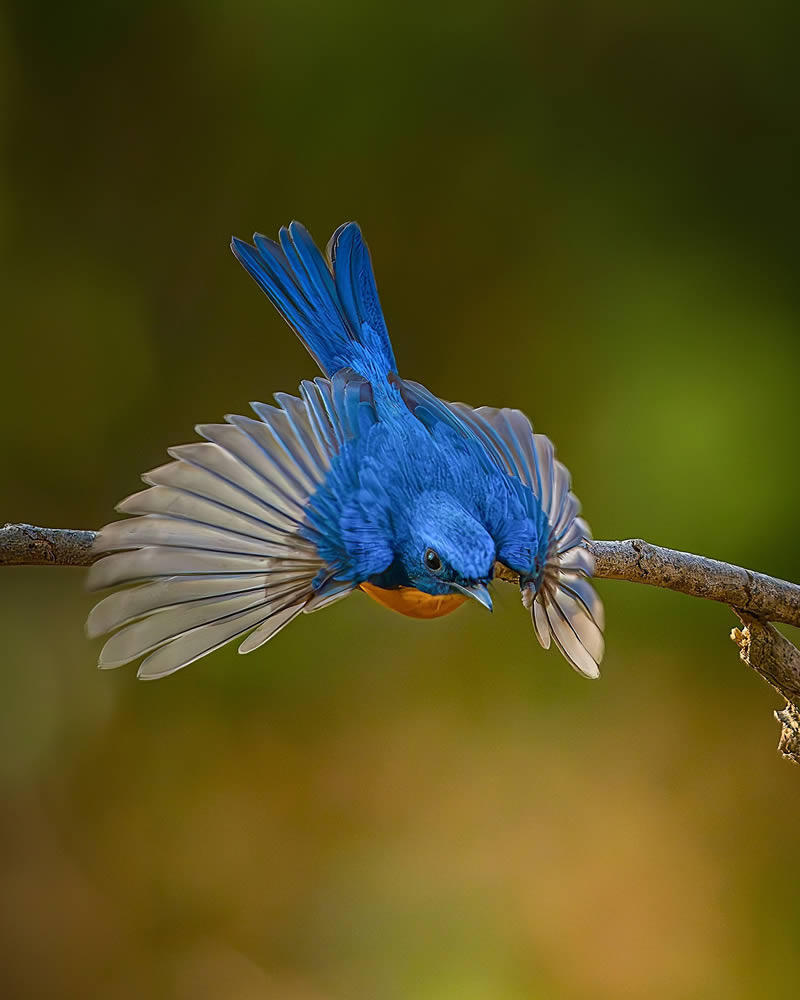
x=565, y=609
x=222, y=545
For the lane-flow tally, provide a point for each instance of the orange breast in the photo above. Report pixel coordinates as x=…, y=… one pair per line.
x=414, y=603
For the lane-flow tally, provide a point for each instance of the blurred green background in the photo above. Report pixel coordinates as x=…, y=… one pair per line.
x=588, y=211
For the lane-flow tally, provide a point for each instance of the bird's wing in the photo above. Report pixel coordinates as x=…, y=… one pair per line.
x=565, y=608
x=221, y=546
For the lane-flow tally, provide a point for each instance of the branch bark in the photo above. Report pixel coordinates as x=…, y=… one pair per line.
x=756, y=598
x=27, y=545
x=762, y=647
x=764, y=597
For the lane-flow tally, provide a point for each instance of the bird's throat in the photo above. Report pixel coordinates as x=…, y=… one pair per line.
x=414, y=603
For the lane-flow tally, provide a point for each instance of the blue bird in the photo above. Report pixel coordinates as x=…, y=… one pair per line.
x=364, y=481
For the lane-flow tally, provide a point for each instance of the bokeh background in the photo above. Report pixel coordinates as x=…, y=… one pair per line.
x=585, y=210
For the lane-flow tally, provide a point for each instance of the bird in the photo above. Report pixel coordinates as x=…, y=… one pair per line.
x=363, y=481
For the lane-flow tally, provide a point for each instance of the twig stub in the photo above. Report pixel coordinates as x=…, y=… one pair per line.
x=777, y=660
x=789, y=743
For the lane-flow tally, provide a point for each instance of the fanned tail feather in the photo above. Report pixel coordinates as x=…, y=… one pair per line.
x=331, y=304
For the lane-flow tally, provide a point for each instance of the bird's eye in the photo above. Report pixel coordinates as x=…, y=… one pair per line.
x=432, y=560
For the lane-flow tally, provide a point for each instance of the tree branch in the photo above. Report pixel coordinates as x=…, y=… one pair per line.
x=756, y=598
x=764, y=597
x=27, y=545
x=771, y=654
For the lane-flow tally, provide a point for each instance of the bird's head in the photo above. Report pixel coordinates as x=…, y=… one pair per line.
x=445, y=550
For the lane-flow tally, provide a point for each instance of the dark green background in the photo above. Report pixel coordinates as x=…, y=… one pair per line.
x=588, y=211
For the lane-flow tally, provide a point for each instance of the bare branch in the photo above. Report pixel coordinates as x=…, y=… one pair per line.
x=764, y=597
x=756, y=598
x=27, y=545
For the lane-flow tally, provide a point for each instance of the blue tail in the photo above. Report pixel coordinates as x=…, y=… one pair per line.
x=332, y=305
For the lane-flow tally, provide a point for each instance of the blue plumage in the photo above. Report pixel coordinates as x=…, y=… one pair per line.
x=334, y=310
x=364, y=480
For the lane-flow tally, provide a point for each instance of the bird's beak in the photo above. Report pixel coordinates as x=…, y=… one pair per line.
x=479, y=591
